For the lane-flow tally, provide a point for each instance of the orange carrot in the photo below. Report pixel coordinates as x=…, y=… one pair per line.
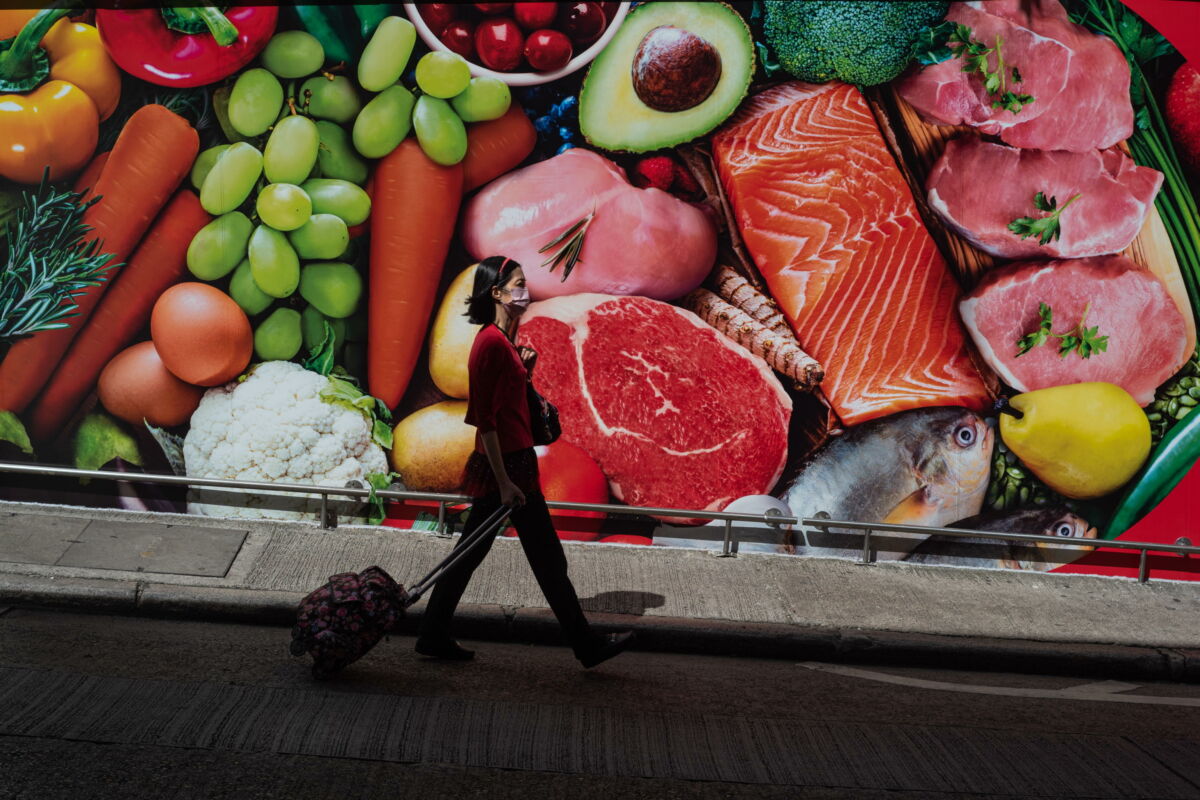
x=496, y=146
x=414, y=206
x=91, y=173
x=152, y=155
x=159, y=262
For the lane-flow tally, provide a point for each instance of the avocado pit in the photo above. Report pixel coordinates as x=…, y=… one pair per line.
x=674, y=69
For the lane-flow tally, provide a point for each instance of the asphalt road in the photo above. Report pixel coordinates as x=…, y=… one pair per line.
x=100, y=707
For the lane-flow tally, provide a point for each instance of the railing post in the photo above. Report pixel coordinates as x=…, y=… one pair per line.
x=441, y=523
x=866, y=556
x=328, y=516
x=725, y=548
x=1143, y=571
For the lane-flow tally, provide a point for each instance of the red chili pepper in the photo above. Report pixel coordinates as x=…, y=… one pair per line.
x=185, y=46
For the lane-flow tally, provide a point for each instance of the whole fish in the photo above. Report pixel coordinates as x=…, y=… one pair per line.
x=977, y=551
x=927, y=466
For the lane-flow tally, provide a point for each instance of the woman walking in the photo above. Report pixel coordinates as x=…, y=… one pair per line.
x=503, y=470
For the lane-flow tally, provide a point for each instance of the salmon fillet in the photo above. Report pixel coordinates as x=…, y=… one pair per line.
x=832, y=226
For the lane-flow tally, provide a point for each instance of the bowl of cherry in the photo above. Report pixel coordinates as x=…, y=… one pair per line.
x=522, y=44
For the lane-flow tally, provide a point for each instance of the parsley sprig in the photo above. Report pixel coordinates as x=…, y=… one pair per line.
x=1045, y=228
x=954, y=40
x=1080, y=339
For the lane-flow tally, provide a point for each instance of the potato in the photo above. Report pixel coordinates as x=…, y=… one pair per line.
x=450, y=343
x=431, y=447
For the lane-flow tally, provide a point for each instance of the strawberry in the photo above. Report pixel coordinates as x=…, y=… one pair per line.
x=657, y=172
x=1183, y=114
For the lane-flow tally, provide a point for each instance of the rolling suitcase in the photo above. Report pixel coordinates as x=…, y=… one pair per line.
x=341, y=621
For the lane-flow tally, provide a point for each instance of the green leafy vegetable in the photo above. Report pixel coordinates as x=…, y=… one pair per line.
x=569, y=244
x=320, y=358
x=12, y=431
x=766, y=57
x=377, y=482
x=346, y=394
x=48, y=263
x=100, y=439
x=172, y=447
x=1045, y=228
x=1082, y=340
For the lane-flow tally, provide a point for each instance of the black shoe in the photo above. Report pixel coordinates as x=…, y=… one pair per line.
x=444, y=648
x=605, y=648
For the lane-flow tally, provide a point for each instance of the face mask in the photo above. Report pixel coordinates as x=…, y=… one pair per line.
x=520, y=298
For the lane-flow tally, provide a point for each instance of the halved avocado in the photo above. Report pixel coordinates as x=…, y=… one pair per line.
x=672, y=73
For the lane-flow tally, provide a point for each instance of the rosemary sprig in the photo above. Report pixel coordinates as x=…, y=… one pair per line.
x=569, y=244
x=1045, y=228
x=48, y=263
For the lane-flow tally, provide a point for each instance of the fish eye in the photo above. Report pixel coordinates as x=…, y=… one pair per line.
x=1064, y=529
x=964, y=435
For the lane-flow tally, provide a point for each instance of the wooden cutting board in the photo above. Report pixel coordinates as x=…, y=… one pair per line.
x=917, y=145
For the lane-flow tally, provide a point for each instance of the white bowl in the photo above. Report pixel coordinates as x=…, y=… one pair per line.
x=522, y=78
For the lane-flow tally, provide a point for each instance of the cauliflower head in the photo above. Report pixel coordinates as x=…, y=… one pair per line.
x=275, y=426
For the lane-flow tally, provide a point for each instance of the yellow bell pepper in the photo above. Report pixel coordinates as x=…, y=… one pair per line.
x=56, y=84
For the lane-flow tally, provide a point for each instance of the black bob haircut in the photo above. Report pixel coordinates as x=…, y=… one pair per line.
x=490, y=273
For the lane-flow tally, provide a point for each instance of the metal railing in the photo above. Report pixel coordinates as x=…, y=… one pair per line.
x=771, y=518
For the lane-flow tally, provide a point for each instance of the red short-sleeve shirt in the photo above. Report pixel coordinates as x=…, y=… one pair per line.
x=497, y=400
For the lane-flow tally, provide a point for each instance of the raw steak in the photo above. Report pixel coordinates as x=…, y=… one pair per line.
x=641, y=241
x=675, y=414
x=1147, y=336
x=1079, y=79
x=1115, y=195
x=831, y=225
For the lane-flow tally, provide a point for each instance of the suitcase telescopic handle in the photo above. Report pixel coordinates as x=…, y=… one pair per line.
x=489, y=527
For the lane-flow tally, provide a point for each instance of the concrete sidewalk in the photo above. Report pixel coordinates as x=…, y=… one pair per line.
x=677, y=599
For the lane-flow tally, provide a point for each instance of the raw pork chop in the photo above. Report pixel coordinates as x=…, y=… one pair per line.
x=1079, y=79
x=834, y=230
x=966, y=190
x=675, y=414
x=641, y=241
x=1147, y=336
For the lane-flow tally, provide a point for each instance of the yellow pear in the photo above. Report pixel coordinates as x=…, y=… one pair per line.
x=1083, y=440
x=452, y=337
x=431, y=446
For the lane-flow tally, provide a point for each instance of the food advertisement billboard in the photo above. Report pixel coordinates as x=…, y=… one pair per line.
x=920, y=263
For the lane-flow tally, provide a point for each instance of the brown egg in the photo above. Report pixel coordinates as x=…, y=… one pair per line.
x=201, y=334
x=135, y=386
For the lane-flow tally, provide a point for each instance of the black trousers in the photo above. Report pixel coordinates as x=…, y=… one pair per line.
x=545, y=553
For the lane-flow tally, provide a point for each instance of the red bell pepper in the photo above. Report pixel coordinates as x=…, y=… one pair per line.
x=185, y=46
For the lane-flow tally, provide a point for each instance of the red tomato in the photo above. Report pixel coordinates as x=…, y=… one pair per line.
x=548, y=50
x=438, y=15
x=627, y=538
x=499, y=44
x=570, y=475
x=492, y=8
x=583, y=22
x=459, y=36
x=532, y=16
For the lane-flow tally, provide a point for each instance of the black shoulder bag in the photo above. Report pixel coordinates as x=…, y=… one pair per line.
x=543, y=417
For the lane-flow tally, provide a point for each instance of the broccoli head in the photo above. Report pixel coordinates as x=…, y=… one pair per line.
x=864, y=43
